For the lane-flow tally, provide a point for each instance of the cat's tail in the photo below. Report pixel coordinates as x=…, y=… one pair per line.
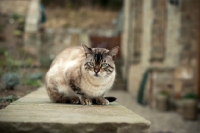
x=111, y=99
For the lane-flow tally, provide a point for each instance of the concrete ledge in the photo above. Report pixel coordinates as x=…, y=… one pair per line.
x=35, y=113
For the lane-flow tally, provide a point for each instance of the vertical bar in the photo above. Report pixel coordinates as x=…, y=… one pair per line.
x=198, y=81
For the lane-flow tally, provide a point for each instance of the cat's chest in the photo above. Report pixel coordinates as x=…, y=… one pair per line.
x=94, y=89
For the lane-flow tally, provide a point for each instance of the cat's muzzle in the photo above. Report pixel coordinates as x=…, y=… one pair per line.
x=96, y=75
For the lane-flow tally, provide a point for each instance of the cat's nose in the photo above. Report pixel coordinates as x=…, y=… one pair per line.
x=96, y=70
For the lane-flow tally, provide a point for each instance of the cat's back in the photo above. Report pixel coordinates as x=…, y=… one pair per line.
x=69, y=56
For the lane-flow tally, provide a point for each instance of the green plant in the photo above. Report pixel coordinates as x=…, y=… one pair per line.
x=9, y=98
x=28, y=62
x=21, y=20
x=2, y=51
x=35, y=83
x=1, y=28
x=10, y=62
x=10, y=80
x=15, y=16
x=190, y=96
x=18, y=33
x=164, y=93
x=35, y=76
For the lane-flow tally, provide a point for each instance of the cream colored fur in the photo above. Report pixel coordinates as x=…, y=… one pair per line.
x=68, y=65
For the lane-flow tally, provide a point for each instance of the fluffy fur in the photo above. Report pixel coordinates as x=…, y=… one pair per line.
x=81, y=75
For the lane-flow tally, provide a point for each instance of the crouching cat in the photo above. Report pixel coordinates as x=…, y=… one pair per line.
x=82, y=75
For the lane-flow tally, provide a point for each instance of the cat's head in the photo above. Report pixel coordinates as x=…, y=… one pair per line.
x=100, y=61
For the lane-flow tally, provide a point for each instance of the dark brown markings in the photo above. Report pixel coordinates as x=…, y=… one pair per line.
x=85, y=100
x=110, y=66
x=87, y=67
x=98, y=57
x=75, y=88
x=101, y=101
x=56, y=96
x=73, y=100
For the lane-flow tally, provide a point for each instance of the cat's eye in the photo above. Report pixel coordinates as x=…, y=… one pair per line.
x=104, y=64
x=91, y=63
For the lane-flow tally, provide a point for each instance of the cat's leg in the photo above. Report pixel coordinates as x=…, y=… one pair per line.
x=55, y=96
x=82, y=96
x=101, y=100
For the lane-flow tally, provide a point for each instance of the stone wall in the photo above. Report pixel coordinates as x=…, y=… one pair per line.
x=189, y=32
x=158, y=30
x=189, y=40
x=173, y=34
x=166, y=36
x=137, y=38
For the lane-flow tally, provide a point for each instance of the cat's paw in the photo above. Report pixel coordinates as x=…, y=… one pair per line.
x=102, y=101
x=74, y=100
x=86, y=101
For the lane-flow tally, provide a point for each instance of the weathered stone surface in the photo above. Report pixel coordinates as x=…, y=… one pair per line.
x=35, y=113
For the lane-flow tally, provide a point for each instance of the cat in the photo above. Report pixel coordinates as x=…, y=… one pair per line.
x=82, y=75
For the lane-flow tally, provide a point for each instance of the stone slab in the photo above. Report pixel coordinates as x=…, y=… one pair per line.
x=36, y=113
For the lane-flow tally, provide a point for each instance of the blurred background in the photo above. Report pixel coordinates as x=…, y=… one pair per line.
x=157, y=66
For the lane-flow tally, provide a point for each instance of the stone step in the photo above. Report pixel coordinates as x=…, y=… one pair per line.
x=36, y=113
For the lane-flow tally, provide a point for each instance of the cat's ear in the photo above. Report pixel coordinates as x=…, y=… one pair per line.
x=87, y=49
x=113, y=52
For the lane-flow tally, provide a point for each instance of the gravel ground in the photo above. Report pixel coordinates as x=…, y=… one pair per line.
x=161, y=122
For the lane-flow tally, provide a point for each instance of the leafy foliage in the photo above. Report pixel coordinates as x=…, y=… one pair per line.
x=1, y=28
x=190, y=96
x=35, y=83
x=9, y=98
x=164, y=93
x=11, y=80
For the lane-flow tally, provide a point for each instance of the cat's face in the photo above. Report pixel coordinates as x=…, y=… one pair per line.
x=99, y=61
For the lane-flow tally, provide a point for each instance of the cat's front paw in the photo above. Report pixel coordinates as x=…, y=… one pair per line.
x=74, y=100
x=102, y=101
x=86, y=101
